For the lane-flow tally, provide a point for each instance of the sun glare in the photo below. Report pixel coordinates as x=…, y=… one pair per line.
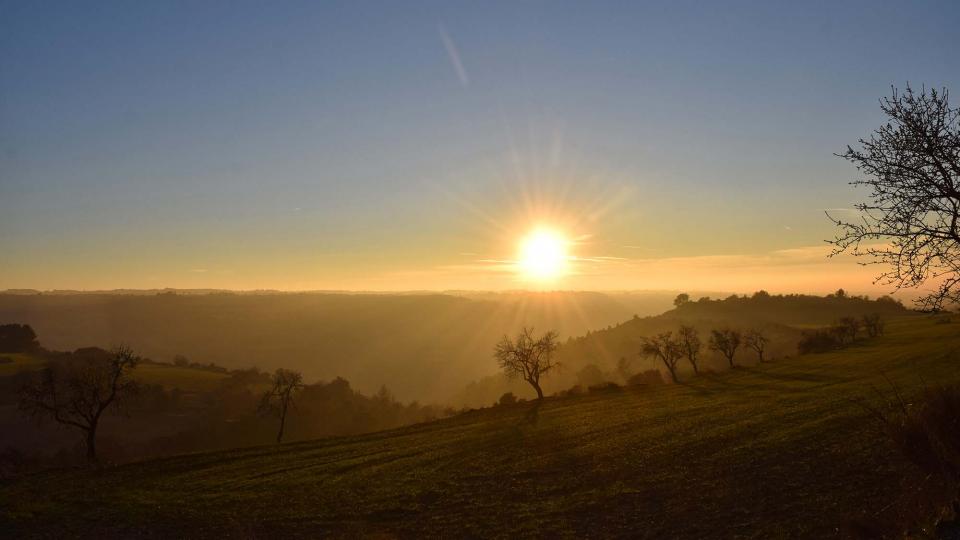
x=543, y=255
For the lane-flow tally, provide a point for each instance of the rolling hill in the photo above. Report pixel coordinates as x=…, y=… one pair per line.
x=423, y=346
x=781, y=318
x=775, y=451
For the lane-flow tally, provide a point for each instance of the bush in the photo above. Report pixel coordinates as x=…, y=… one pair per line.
x=507, y=399
x=927, y=434
x=646, y=378
x=574, y=390
x=603, y=387
x=16, y=338
x=818, y=341
x=590, y=375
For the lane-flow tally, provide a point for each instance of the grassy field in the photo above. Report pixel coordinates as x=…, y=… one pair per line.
x=778, y=451
x=187, y=379
x=19, y=362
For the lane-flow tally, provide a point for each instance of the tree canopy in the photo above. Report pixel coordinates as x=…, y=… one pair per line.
x=910, y=223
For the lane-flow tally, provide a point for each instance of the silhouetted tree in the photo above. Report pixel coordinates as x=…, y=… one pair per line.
x=277, y=400
x=15, y=338
x=681, y=299
x=77, y=390
x=849, y=329
x=873, y=324
x=756, y=340
x=911, y=222
x=666, y=348
x=726, y=342
x=690, y=345
x=527, y=357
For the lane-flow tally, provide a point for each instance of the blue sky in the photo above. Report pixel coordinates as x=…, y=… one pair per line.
x=405, y=144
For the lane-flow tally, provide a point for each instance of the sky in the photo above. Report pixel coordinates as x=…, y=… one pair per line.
x=413, y=145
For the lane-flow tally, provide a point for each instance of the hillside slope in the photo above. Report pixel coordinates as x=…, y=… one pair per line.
x=774, y=451
x=781, y=318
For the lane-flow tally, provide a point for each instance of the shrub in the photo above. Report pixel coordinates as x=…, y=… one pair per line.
x=603, y=387
x=574, y=390
x=927, y=434
x=507, y=399
x=18, y=338
x=943, y=319
x=818, y=341
x=590, y=375
x=646, y=378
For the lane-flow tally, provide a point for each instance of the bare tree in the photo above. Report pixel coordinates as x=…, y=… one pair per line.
x=726, y=342
x=666, y=348
x=78, y=389
x=849, y=327
x=873, y=324
x=528, y=357
x=690, y=344
x=756, y=340
x=911, y=222
x=279, y=399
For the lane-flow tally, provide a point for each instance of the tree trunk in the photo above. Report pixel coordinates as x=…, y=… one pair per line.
x=696, y=370
x=283, y=421
x=730, y=360
x=672, y=370
x=536, y=386
x=92, y=444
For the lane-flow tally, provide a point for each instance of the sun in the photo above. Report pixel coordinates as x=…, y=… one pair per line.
x=543, y=254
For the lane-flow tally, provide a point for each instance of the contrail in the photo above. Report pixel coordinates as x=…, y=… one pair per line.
x=454, y=56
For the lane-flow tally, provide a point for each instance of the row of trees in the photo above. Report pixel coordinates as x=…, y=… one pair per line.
x=670, y=348
x=530, y=357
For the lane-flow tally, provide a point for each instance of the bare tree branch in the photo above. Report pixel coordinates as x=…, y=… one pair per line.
x=911, y=223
